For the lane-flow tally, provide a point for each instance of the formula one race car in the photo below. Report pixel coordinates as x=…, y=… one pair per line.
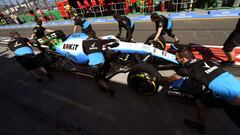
x=66, y=53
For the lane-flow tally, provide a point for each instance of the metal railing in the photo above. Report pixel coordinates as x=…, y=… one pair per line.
x=97, y=9
x=183, y=4
x=118, y=7
x=147, y=8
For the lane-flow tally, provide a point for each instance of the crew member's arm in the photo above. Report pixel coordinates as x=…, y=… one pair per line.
x=109, y=42
x=28, y=42
x=106, y=41
x=159, y=27
x=172, y=78
x=75, y=28
x=180, y=72
x=49, y=30
x=120, y=29
x=33, y=36
x=34, y=33
x=158, y=33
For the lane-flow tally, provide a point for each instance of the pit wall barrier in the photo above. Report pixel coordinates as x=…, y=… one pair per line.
x=174, y=16
x=210, y=14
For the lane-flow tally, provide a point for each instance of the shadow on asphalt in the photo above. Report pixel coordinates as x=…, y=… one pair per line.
x=72, y=104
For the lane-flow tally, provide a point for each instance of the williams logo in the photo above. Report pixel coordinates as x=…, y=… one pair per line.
x=206, y=65
x=209, y=69
x=17, y=44
x=93, y=47
x=70, y=46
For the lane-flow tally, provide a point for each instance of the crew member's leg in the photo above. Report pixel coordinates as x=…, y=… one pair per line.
x=231, y=42
x=170, y=34
x=29, y=63
x=99, y=77
x=129, y=34
x=233, y=112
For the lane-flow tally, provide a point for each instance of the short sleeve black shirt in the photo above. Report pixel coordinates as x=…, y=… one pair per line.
x=94, y=45
x=163, y=23
x=125, y=23
x=39, y=31
x=18, y=43
x=202, y=71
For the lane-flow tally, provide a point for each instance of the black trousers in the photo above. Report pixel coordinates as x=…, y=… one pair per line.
x=206, y=97
x=129, y=34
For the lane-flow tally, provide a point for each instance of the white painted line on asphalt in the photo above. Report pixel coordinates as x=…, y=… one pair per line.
x=5, y=40
x=80, y=106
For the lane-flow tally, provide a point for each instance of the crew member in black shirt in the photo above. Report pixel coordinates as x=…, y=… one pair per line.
x=83, y=23
x=222, y=89
x=163, y=25
x=39, y=30
x=92, y=47
x=126, y=23
x=25, y=56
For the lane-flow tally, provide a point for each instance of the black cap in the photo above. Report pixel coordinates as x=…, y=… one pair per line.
x=116, y=16
x=155, y=17
x=92, y=34
x=39, y=22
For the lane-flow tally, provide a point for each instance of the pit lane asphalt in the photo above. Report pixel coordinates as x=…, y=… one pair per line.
x=72, y=104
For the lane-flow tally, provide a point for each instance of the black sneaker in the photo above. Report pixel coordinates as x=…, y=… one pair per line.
x=39, y=80
x=195, y=125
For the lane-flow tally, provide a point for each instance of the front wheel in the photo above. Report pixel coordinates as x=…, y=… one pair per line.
x=160, y=43
x=143, y=78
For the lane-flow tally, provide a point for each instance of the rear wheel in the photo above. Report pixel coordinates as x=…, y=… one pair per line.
x=143, y=78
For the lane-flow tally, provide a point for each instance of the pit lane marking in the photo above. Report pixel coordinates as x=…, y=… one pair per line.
x=5, y=40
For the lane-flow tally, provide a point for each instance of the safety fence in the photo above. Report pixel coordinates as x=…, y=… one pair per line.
x=183, y=4
x=144, y=7
x=101, y=10
x=28, y=18
x=119, y=7
x=92, y=11
x=98, y=9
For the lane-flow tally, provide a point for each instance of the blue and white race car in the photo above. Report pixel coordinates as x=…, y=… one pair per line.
x=67, y=54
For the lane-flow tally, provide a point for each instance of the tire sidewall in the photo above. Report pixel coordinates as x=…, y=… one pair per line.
x=149, y=76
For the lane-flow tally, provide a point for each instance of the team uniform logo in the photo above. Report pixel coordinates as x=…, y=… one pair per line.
x=209, y=69
x=93, y=47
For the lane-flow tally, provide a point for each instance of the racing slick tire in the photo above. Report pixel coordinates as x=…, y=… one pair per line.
x=160, y=43
x=143, y=78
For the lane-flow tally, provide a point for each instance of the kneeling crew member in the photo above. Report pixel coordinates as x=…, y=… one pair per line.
x=126, y=23
x=92, y=47
x=223, y=88
x=25, y=56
